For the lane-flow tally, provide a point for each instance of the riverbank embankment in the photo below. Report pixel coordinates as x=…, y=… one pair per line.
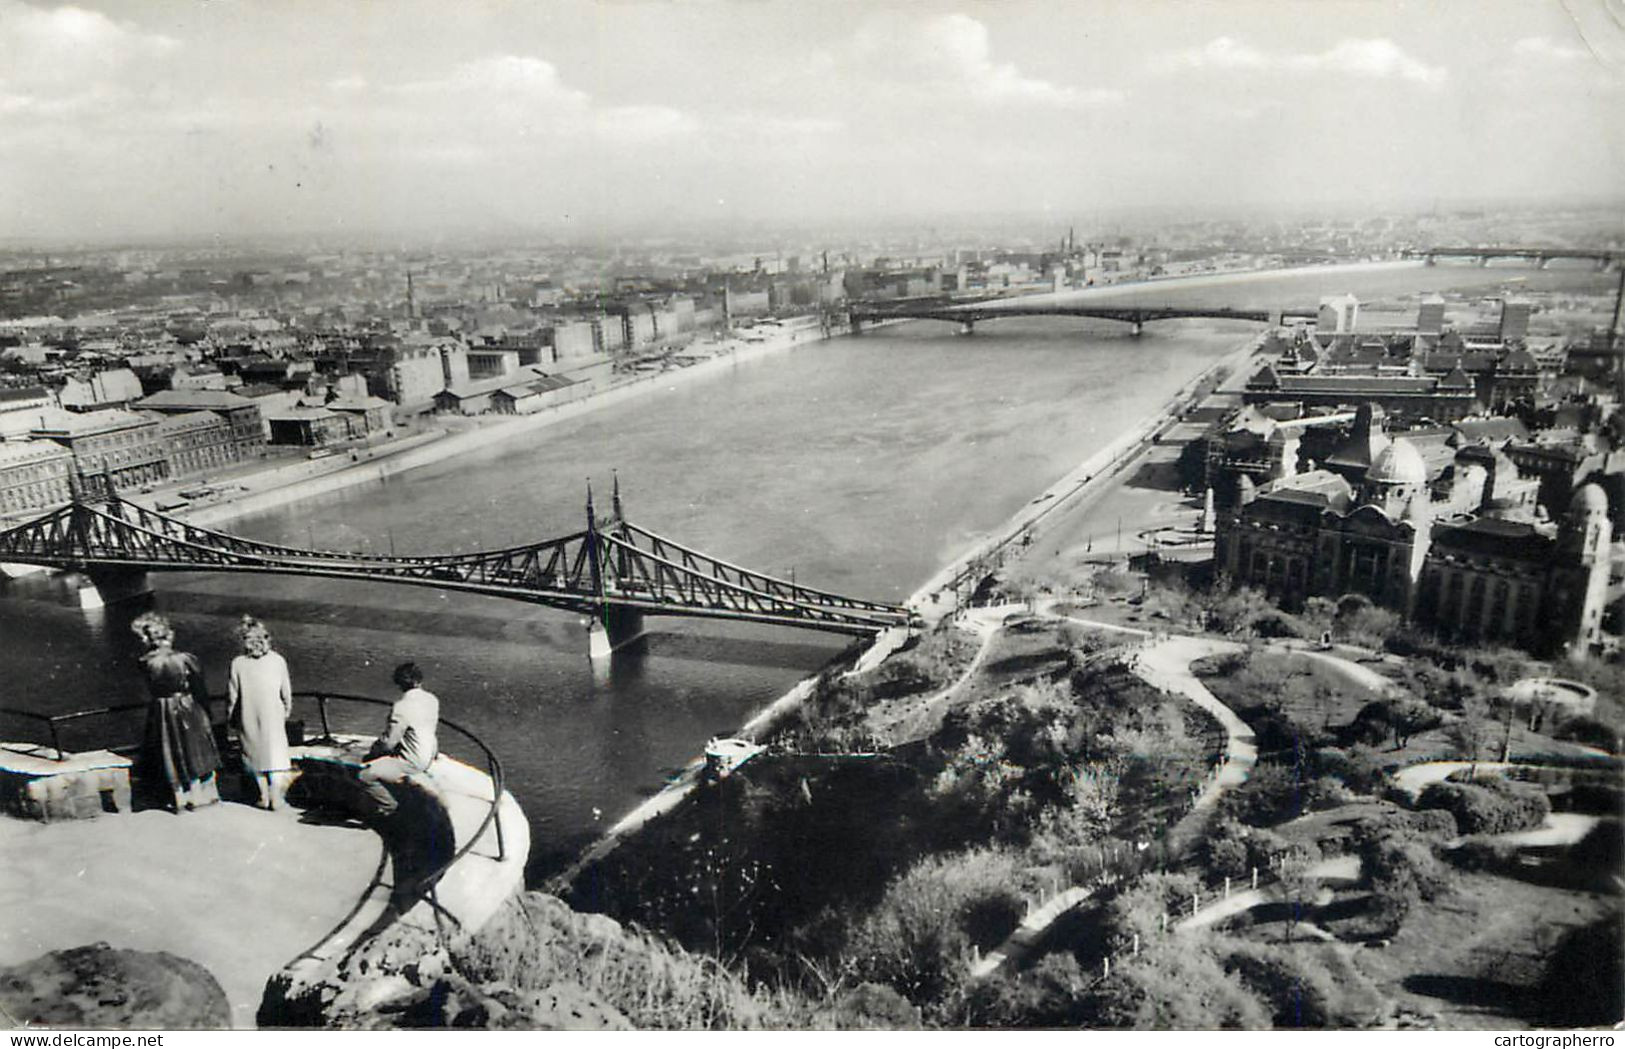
x=428, y=450
x=939, y=596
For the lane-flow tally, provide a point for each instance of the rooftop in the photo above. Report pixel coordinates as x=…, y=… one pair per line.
x=217, y=400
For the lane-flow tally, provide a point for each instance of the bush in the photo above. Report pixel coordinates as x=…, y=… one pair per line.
x=1138, y=909
x=1272, y=794
x=1224, y=850
x=1580, y=728
x=1584, y=984
x=1174, y=986
x=1049, y=994
x=918, y=938
x=1403, y=864
x=1300, y=988
x=1493, y=807
x=1357, y=768
x=1485, y=856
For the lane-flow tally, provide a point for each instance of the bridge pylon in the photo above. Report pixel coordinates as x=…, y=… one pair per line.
x=612, y=626
x=100, y=587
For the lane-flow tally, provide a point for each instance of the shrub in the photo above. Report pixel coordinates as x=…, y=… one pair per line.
x=1602, y=849
x=1493, y=807
x=1484, y=856
x=1049, y=994
x=1225, y=850
x=1174, y=986
x=1584, y=984
x=1300, y=988
x=1272, y=794
x=1358, y=768
x=918, y=938
x=1580, y=728
x=869, y=1007
x=1138, y=909
x=1406, y=865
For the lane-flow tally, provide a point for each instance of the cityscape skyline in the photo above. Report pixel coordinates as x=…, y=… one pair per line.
x=243, y=119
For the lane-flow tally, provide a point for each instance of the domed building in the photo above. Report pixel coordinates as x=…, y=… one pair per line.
x=1447, y=558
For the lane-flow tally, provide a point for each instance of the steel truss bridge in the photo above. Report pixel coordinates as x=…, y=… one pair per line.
x=613, y=571
x=967, y=316
x=1542, y=257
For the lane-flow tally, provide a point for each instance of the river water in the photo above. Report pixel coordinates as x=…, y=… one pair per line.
x=858, y=465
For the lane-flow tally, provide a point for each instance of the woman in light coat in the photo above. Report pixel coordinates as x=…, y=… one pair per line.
x=261, y=698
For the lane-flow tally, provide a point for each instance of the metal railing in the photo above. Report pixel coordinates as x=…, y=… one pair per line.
x=323, y=701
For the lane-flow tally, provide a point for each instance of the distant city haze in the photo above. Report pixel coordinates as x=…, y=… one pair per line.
x=156, y=118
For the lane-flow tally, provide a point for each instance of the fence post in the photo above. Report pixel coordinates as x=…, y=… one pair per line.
x=1196, y=898
x=1164, y=921
x=1255, y=877
x=1137, y=942
x=1105, y=967
x=1227, y=886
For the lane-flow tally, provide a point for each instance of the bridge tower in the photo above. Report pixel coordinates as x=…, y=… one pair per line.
x=612, y=626
x=100, y=586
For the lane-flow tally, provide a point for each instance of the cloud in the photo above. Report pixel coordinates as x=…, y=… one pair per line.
x=952, y=55
x=521, y=95
x=1545, y=49
x=1375, y=58
x=60, y=54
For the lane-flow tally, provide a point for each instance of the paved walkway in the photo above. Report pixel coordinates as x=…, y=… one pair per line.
x=1166, y=665
x=919, y=716
x=237, y=890
x=1357, y=674
x=1163, y=664
x=1338, y=868
x=240, y=891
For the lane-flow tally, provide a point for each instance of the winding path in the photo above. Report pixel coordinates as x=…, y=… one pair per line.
x=1164, y=664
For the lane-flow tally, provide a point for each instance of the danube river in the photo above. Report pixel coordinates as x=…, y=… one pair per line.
x=858, y=465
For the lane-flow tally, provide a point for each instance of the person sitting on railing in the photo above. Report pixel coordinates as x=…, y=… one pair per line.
x=407, y=747
x=179, y=743
x=261, y=698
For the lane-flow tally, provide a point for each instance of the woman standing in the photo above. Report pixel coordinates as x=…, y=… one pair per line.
x=179, y=740
x=261, y=697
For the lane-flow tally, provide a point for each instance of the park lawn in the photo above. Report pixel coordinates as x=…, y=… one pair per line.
x=1311, y=694
x=1473, y=959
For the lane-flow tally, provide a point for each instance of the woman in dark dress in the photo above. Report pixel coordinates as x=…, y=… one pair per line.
x=179, y=741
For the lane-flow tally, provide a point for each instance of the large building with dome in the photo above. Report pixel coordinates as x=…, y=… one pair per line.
x=1470, y=555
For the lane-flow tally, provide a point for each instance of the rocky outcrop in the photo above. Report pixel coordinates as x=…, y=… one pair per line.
x=536, y=965
x=100, y=986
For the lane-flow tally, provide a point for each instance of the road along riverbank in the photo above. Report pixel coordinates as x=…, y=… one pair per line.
x=941, y=594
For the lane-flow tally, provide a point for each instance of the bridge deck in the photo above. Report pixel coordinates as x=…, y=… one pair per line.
x=610, y=565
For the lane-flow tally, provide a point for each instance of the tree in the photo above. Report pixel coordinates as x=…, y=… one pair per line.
x=1472, y=732
x=1408, y=716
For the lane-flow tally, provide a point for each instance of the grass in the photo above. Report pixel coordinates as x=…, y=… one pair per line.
x=1473, y=960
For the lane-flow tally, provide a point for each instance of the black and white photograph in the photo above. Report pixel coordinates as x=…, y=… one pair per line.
x=806, y=515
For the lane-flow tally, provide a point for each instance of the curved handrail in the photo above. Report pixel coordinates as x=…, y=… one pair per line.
x=493, y=815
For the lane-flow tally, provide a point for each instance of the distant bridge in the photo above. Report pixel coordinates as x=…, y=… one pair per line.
x=967, y=316
x=613, y=571
x=1604, y=258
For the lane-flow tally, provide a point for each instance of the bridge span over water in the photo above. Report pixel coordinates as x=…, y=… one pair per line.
x=1542, y=257
x=968, y=315
x=612, y=571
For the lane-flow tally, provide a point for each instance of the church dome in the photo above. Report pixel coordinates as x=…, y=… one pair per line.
x=1588, y=499
x=1399, y=463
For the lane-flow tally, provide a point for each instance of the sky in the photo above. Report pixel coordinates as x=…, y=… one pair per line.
x=217, y=117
